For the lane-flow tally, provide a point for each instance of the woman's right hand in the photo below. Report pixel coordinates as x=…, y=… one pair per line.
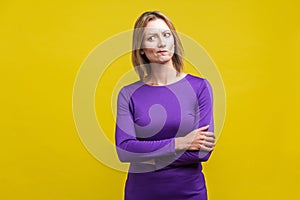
x=197, y=139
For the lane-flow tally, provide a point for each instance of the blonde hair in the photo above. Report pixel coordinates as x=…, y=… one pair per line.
x=140, y=62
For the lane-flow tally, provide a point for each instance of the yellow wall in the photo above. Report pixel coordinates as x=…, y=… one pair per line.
x=255, y=45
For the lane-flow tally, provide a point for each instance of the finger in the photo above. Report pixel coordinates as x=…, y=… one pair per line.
x=209, y=134
x=209, y=139
x=205, y=137
x=202, y=137
x=201, y=147
x=208, y=144
x=204, y=148
x=203, y=128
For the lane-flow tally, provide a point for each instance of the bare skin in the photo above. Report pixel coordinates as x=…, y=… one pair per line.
x=198, y=139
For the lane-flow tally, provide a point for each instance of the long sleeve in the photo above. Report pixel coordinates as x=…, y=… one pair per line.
x=129, y=148
x=204, y=116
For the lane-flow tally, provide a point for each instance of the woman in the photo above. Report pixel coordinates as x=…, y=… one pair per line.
x=165, y=120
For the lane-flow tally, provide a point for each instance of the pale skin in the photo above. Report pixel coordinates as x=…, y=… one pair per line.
x=158, y=46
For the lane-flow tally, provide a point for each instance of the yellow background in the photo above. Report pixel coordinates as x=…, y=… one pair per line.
x=255, y=44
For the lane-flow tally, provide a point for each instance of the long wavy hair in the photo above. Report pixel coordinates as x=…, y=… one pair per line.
x=140, y=61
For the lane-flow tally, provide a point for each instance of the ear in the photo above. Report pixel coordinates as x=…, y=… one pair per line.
x=142, y=52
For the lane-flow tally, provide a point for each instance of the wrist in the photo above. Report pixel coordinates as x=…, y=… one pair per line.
x=179, y=144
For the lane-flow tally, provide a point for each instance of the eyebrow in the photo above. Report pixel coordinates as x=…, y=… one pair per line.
x=153, y=33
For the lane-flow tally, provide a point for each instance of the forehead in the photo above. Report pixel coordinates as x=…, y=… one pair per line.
x=156, y=25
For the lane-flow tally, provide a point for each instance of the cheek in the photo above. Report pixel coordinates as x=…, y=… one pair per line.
x=148, y=45
x=149, y=52
x=171, y=43
x=172, y=46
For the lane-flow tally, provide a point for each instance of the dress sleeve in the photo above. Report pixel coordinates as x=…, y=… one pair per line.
x=204, y=116
x=128, y=147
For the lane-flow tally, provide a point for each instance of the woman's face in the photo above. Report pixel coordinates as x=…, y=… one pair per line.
x=158, y=42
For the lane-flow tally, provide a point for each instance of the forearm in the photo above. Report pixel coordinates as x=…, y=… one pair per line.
x=182, y=159
x=132, y=150
x=179, y=145
x=191, y=157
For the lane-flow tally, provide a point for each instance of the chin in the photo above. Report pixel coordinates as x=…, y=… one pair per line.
x=165, y=60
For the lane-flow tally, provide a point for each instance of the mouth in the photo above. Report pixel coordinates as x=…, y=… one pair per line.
x=162, y=51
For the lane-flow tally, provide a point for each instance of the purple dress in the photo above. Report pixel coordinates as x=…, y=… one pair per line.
x=148, y=120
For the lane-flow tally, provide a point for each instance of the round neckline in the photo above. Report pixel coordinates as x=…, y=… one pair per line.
x=180, y=80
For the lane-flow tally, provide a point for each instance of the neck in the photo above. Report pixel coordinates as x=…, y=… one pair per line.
x=162, y=74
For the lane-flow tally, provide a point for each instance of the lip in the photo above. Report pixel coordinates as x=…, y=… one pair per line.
x=162, y=51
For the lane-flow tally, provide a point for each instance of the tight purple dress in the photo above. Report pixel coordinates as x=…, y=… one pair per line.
x=148, y=120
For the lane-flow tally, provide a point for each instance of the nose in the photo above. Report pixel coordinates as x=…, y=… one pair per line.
x=161, y=42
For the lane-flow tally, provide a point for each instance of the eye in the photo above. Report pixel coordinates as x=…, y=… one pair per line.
x=167, y=35
x=151, y=38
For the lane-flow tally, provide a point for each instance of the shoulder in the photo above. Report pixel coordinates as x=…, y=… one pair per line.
x=128, y=90
x=199, y=82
